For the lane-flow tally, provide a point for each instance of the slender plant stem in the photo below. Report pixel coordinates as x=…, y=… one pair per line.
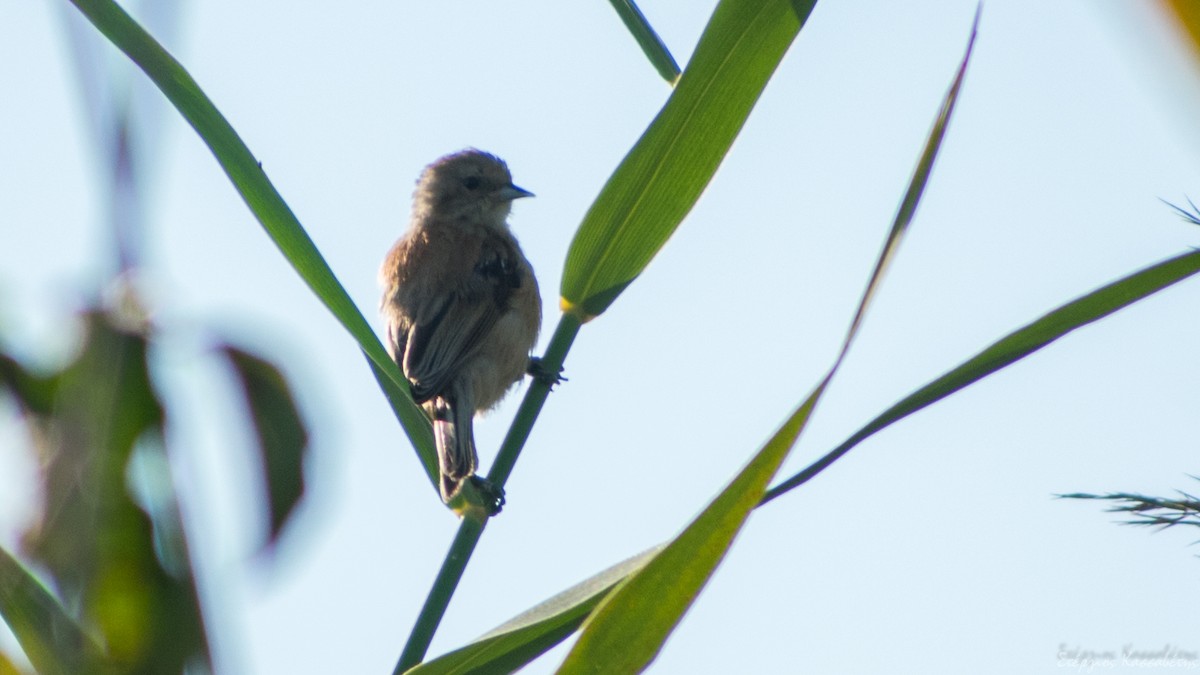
x=471, y=528
x=469, y=532
x=539, y=390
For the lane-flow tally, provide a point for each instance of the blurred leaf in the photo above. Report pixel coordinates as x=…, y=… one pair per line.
x=661, y=178
x=50, y=638
x=34, y=394
x=282, y=435
x=97, y=544
x=628, y=629
x=7, y=667
x=519, y=641
x=127, y=133
x=251, y=182
x=652, y=45
x=1186, y=13
x=1012, y=348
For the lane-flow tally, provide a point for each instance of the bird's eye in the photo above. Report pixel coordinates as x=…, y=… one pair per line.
x=471, y=182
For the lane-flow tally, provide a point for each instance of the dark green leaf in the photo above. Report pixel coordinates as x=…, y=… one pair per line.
x=282, y=435
x=34, y=394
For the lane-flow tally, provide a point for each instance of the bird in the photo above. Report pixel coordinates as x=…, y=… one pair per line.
x=461, y=303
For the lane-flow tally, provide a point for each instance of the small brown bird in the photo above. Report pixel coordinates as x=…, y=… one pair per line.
x=461, y=302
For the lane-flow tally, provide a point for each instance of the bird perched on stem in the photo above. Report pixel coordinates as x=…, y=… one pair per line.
x=461, y=303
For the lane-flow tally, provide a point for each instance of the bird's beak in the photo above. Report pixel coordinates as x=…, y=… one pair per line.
x=511, y=192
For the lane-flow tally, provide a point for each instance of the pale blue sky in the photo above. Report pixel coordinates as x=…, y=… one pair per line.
x=934, y=547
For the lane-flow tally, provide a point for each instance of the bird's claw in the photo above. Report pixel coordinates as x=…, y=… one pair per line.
x=542, y=373
x=492, y=494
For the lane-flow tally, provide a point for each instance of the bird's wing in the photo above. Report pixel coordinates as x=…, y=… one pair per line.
x=439, y=343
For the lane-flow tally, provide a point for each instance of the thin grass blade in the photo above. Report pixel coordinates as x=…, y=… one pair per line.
x=248, y=177
x=652, y=45
x=1012, y=348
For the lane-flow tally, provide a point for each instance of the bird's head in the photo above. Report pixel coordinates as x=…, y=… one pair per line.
x=470, y=184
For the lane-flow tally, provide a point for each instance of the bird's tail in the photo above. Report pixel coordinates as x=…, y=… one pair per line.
x=455, y=438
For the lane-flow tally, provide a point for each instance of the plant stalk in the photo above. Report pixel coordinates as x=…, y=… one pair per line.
x=471, y=528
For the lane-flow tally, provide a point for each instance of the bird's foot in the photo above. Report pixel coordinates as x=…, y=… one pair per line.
x=540, y=372
x=492, y=494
